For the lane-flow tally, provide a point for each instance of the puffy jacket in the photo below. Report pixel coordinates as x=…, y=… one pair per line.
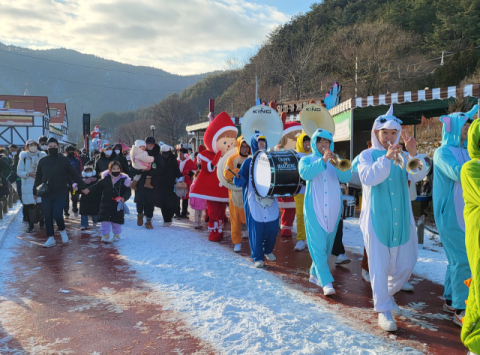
x=27, y=164
x=196, y=203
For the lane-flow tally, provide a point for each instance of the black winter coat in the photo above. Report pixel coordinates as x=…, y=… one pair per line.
x=57, y=171
x=4, y=172
x=109, y=192
x=76, y=164
x=123, y=161
x=166, y=195
x=101, y=164
x=143, y=195
x=90, y=204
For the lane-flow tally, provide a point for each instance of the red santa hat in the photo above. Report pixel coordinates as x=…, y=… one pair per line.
x=219, y=125
x=291, y=127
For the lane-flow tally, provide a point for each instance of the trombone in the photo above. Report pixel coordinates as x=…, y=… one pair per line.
x=414, y=165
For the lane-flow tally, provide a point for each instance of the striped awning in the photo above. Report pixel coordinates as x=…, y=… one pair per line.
x=472, y=90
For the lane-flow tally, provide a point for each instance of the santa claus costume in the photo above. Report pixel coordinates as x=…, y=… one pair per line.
x=287, y=204
x=95, y=133
x=219, y=138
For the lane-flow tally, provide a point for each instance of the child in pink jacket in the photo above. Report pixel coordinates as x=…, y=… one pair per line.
x=198, y=204
x=141, y=161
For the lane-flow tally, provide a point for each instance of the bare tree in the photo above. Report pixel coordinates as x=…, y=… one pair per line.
x=171, y=116
x=132, y=131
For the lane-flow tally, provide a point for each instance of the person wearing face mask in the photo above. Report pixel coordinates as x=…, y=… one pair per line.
x=27, y=165
x=70, y=154
x=5, y=171
x=166, y=199
x=106, y=157
x=89, y=204
x=390, y=236
x=56, y=172
x=42, y=144
x=117, y=149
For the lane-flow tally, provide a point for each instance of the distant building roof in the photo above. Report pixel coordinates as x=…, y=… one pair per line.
x=24, y=103
x=60, y=109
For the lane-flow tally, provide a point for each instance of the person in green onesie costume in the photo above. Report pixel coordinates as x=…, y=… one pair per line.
x=470, y=176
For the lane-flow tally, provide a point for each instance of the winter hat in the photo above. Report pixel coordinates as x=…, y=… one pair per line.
x=139, y=143
x=30, y=141
x=166, y=148
x=52, y=140
x=88, y=166
x=150, y=140
x=386, y=121
x=219, y=125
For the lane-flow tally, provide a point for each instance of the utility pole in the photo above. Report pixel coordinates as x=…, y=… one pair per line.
x=443, y=56
x=356, y=76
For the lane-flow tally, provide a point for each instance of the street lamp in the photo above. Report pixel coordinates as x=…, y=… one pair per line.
x=152, y=127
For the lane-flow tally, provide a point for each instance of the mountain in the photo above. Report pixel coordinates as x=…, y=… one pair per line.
x=83, y=88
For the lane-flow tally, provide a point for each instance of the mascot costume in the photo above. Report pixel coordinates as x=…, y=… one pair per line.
x=219, y=138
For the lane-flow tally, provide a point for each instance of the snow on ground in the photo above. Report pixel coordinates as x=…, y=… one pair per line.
x=432, y=261
x=7, y=219
x=235, y=307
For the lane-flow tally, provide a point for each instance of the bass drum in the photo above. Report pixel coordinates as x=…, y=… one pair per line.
x=221, y=171
x=275, y=174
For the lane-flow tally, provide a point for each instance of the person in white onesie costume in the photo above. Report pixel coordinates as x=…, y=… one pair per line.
x=387, y=220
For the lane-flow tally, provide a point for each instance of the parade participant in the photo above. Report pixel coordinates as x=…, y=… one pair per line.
x=106, y=156
x=55, y=172
x=166, y=199
x=197, y=204
x=448, y=206
x=303, y=149
x=89, y=204
x=27, y=165
x=261, y=214
x=291, y=131
x=73, y=195
x=187, y=168
x=121, y=157
x=324, y=195
x=470, y=178
x=141, y=161
x=386, y=219
x=235, y=205
x=146, y=198
x=338, y=248
x=115, y=190
x=219, y=138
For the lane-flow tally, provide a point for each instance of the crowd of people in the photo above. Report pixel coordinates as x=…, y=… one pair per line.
x=99, y=186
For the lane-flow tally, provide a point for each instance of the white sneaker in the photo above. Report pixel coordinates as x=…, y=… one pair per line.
x=245, y=234
x=64, y=236
x=116, y=237
x=237, y=248
x=407, y=287
x=300, y=245
x=328, y=289
x=166, y=224
x=366, y=275
x=50, y=242
x=270, y=257
x=258, y=264
x=313, y=280
x=457, y=318
x=83, y=228
x=106, y=238
x=75, y=214
x=396, y=311
x=471, y=353
x=342, y=259
x=386, y=322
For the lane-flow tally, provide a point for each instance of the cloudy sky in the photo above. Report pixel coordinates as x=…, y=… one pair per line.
x=180, y=36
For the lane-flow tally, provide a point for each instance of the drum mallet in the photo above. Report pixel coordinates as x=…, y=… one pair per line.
x=230, y=170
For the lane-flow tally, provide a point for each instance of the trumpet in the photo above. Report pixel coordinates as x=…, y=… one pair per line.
x=340, y=164
x=414, y=165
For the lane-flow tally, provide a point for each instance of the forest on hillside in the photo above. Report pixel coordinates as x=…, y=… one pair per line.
x=392, y=45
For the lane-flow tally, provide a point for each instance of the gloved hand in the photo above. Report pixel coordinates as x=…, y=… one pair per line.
x=190, y=174
x=75, y=186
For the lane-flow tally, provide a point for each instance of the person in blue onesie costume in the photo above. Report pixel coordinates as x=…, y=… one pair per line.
x=448, y=205
x=262, y=219
x=324, y=195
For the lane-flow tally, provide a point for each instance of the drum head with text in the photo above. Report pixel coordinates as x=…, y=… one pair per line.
x=262, y=174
